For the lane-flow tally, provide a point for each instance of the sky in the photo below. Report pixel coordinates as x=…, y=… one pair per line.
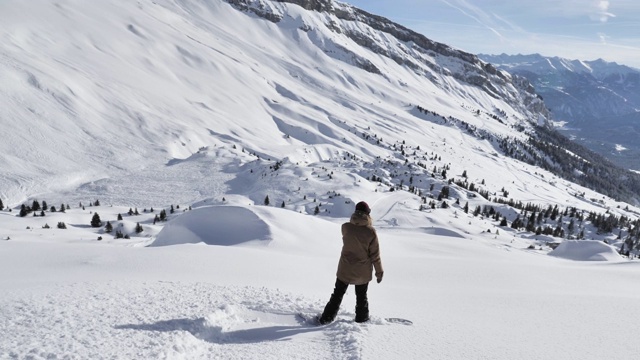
x=573, y=29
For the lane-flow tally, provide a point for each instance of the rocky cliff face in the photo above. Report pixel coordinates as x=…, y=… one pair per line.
x=382, y=37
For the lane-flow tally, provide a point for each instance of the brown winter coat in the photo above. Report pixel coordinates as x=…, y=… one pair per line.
x=360, y=250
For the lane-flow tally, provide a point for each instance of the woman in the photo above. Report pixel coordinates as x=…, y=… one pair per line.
x=359, y=257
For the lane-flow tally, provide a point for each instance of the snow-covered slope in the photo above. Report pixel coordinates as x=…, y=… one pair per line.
x=95, y=94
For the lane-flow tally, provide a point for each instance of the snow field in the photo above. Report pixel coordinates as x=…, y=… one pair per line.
x=467, y=297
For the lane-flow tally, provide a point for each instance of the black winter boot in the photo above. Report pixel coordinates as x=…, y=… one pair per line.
x=362, y=311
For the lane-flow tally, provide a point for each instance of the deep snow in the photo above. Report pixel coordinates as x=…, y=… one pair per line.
x=468, y=297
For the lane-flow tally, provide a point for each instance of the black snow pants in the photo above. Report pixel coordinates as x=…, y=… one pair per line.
x=332, y=307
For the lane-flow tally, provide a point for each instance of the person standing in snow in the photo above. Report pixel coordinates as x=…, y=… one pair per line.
x=359, y=257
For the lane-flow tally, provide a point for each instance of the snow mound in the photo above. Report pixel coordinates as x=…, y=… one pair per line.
x=586, y=250
x=215, y=225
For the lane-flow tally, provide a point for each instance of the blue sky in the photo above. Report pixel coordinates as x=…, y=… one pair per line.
x=573, y=29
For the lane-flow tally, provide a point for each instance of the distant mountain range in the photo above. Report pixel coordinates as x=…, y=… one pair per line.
x=597, y=102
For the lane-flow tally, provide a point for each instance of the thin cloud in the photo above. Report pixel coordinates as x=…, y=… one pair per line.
x=477, y=14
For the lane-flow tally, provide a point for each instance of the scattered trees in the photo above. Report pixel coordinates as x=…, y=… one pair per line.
x=95, y=220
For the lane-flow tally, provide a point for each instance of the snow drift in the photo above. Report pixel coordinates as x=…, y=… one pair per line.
x=586, y=250
x=216, y=225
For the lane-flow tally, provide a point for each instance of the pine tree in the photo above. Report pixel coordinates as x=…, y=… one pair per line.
x=316, y=211
x=62, y=225
x=53, y=209
x=44, y=205
x=172, y=210
x=35, y=206
x=130, y=212
x=1, y=205
x=283, y=205
x=139, y=228
x=516, y=224
x=163, y=215
x=95, y=220
x=266, y=200
x=477, y=210
x=571, y=227
x=119, y=217
x=23, y=210
x=466, y=207
x=108, y=228
x=97, y=203
x=62, y=208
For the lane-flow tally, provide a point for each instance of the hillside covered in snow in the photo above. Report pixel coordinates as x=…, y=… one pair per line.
x=174, y=175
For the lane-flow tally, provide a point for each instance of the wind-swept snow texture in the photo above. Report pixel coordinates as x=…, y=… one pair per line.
x=125, y=99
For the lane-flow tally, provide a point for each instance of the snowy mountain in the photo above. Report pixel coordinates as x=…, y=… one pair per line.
x=598, y=101
x=174, y=175
x=150, y=84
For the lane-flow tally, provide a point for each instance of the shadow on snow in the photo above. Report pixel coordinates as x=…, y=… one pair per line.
x=214, y=334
